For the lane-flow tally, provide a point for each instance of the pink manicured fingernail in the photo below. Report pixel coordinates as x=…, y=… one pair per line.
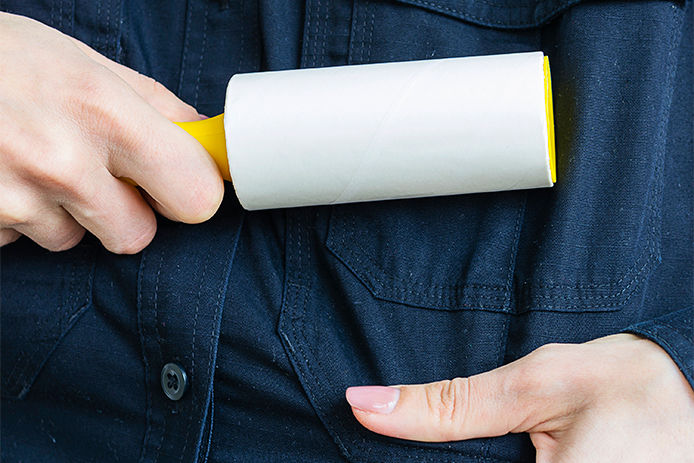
x=376, y=399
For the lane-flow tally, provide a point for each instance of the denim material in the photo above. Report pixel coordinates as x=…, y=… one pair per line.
x=273, y=313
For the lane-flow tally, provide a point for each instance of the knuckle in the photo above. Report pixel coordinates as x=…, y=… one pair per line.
x=86, y=102
x=66, y=239
x=651, y=366
x=15, y=212
x=89, y=86
x=95, y=105
x=12, y=147
x=23, y=148
x=545, y=356
x=43, y=160
x=13, y=217
x=8, y=236
x=165, y=101
x=59, y=171
x=134, y=245
x=531, y=371
x=549, y=349
x=447, y=401
x=548, y=372
x=153, y=87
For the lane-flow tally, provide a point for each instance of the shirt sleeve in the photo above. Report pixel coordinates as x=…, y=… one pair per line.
x=674, y=332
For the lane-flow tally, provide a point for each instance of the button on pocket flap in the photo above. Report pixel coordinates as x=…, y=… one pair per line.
x=43, y=294
x=502, y=14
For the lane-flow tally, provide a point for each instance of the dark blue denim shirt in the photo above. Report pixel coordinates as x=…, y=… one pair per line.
x=273, y=314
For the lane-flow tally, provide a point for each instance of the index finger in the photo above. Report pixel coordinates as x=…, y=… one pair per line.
x=163, y=159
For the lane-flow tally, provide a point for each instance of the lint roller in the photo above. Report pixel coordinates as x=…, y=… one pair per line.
x=385, y=131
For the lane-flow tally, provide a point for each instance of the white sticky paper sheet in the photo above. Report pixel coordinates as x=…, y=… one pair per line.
x=388, y=131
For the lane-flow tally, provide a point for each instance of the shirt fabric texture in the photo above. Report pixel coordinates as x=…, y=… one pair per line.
x=272, y=314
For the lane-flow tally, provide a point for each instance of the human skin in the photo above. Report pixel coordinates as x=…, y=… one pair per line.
x=72, y=124
x=620, y=398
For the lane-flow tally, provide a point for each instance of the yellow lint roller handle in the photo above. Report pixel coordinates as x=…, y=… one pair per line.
x=210, y=132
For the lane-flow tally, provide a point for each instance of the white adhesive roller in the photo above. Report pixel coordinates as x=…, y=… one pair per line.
x=388, y=131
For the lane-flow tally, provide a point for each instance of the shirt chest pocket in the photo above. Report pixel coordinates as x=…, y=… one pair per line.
x=585, y=245
x=43, y=295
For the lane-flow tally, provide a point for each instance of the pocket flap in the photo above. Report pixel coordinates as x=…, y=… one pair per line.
x=44, y=293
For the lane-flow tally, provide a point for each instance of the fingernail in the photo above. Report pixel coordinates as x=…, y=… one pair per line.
x=376, y=399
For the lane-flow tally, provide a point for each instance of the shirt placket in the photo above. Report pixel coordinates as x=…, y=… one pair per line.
x=182, y=285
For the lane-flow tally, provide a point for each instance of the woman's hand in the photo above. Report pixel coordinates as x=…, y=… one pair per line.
x=71, y=123
x=616, y=399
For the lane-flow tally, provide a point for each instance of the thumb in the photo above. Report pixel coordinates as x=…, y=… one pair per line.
x=522, y=396
x=153, y=92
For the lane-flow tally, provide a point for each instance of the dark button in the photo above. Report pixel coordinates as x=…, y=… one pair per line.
x=173, y=381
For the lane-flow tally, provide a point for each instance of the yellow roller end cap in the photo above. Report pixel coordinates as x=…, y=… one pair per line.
x=549, y=112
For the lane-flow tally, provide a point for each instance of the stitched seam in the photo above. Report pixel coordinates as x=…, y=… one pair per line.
x=363, y=32
x=107, y=45
x=306, y=45
x=242, y=44
x=604, y=296
x=159, y=343
x=202, y=55
x=358, y=11
x=60, y=15
x=186, y=42
x=314, y=36
x=97, y=39
x=117, y=40
x=515, y=6
x=17, y=377
x=672, y=328
x=114, y=31
x=402, y=291
x=357, y=242
x=299, y=322
x=489, y=21
x=440, y=289
x=622, y=296
x=514, y=249
x=53, y=21
x=369, y=8
x=209, y=433
x=326, y=29
x=148, y=390
x=192, y=357
x=353, y=33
